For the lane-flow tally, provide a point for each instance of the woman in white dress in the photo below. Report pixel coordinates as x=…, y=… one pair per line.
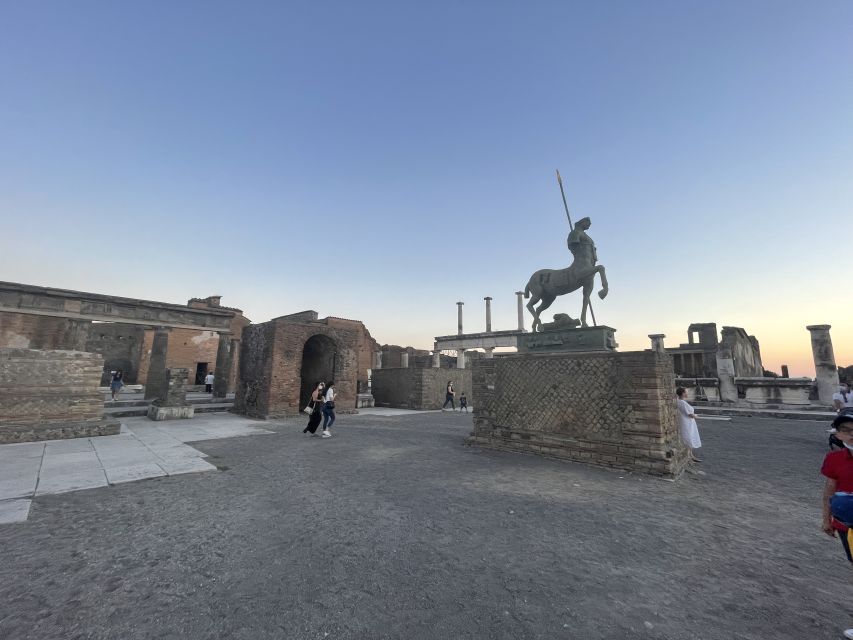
x=687, y=423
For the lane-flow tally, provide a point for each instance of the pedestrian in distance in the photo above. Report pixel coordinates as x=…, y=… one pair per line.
x=116, y=382
x=687, y=423
x=842, y=399
x=329, y=409
x=208, y=383
x=316, y=407
x=449, y=397
x=463, y=402
x=837, y=502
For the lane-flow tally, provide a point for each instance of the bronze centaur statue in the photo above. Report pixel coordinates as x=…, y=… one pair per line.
x=547, y=284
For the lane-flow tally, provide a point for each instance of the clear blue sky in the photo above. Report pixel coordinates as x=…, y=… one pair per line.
x=382, y=160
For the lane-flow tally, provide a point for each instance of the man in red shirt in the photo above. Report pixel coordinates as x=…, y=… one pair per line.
x=838, y=469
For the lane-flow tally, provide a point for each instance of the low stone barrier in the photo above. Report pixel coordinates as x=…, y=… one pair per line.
x=47, y=395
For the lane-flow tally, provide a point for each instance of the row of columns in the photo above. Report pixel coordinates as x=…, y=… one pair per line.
x=488, y=299
x=225, y=351
x=826, y=371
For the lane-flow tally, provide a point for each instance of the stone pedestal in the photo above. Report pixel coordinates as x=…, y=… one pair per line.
x=826, y=371
x=602, y=408
x=49, y=395
x=404, y=360
x=364, y=400
x=172, y=404
x=657, y=342
x=599, y=338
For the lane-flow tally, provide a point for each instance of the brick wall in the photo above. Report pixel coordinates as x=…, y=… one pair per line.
x=420, y=388
x=49, y=386
x=28, y=331
x=273, y=358
x=253, y=379
x=121, y=347
x=612, y=409
x=187, y=348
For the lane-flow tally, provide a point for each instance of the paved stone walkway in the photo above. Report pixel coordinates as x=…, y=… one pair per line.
x=393, y=528
x=144, y=449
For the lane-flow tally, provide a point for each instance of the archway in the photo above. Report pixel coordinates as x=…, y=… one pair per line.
x=318, y=363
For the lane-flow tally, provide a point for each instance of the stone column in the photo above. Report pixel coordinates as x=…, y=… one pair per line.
x=156, y=384
x=224, y=354
x=172, y=404
x=436, y=358
x=826, y=372
x=488, y=314
x=404, y=360
x=377, y=360
x=234, y=373
x=520, y=296
x=657, y=342
x=460, y=359
x=459, y=316
x=490, y=352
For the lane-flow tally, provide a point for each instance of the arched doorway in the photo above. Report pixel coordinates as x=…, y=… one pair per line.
x=318, y=363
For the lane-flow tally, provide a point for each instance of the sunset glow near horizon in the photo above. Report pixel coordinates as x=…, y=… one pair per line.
x=381, y=161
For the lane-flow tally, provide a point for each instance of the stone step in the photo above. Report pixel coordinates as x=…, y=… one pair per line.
x=141, y=402
x=127, y=412
x=782, y=414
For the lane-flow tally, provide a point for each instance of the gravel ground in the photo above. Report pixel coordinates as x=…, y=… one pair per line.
x=393, y=528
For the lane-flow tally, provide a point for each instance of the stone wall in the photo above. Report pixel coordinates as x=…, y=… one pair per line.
x=50, y=394
x=612, y=409
x=121, y=347
x=254, y=373
x=419, y=388
x=274, y=357
x=28, y=331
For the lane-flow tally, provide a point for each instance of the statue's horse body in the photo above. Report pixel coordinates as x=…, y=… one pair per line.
x=547, y=284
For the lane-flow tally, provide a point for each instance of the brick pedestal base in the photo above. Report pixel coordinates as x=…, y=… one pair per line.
x=612, y=409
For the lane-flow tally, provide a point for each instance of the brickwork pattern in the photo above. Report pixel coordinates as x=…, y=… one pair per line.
x=271, y=363
x=612, y=409
x=49, y=387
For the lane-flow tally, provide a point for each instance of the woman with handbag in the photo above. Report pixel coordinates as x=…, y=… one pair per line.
x=329, y=409
x=315, y=407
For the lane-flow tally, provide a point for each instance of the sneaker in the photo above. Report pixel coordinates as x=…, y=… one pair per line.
x=848, y=633
x=326, y=434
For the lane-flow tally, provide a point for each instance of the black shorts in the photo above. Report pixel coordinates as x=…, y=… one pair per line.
x=845, y=543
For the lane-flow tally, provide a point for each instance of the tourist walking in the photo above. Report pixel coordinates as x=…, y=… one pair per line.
x=448, y=397
x=208, y=383
x=463, y=402
x=687, y=423
x=329, y=409
x=316, y=407
x=116, y=382
x=837, y=502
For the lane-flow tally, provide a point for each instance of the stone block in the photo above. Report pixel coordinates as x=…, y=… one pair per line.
x=157, y=412
x=605, y=408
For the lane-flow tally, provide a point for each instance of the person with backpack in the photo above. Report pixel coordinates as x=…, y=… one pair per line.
x=837, y=502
